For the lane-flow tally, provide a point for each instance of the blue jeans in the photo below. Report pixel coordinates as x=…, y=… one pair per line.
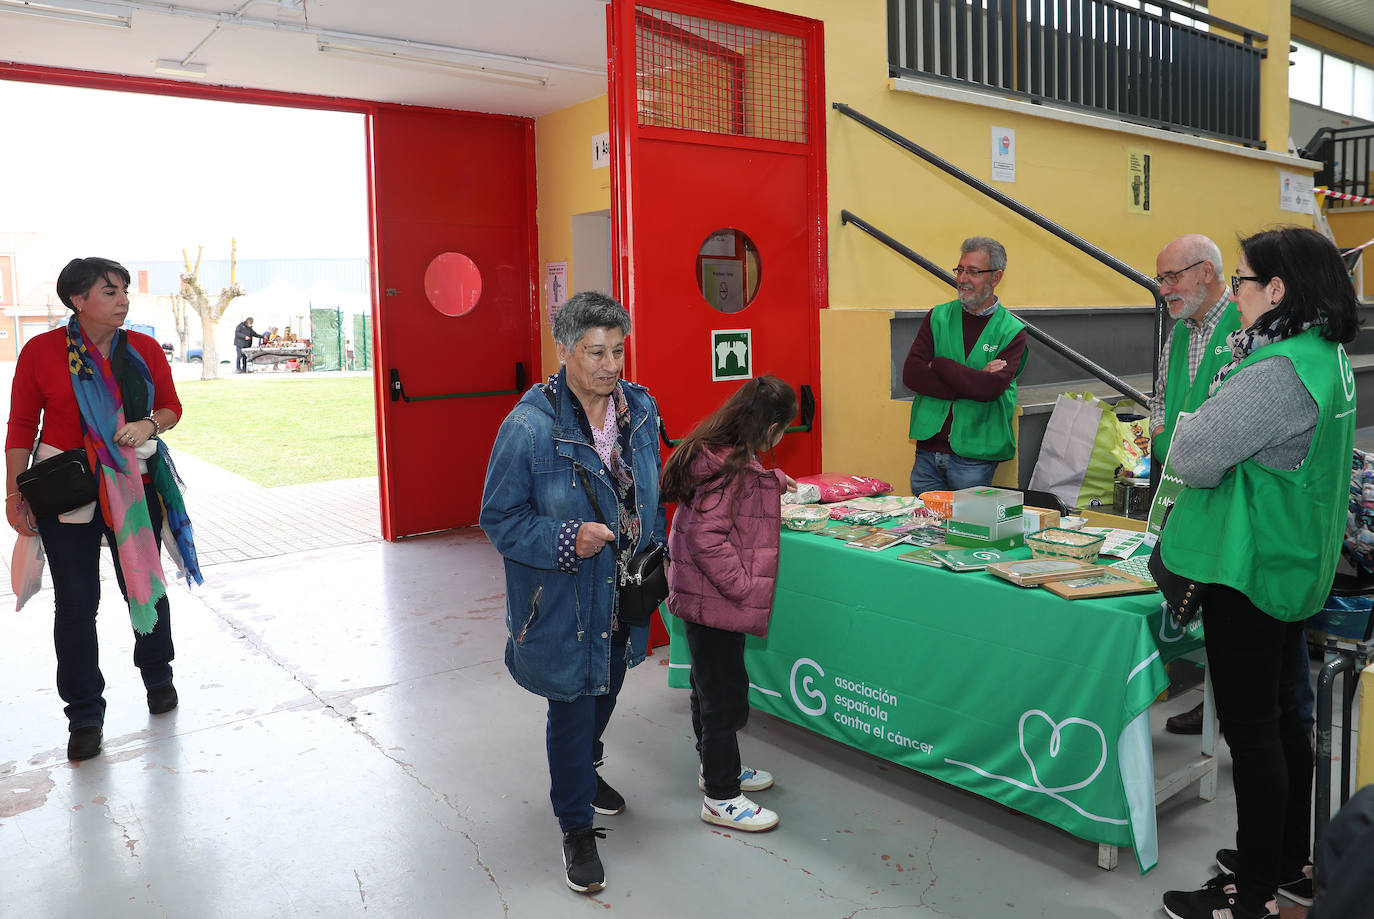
x=948, y=472
x=573, y=741
x=73, y=554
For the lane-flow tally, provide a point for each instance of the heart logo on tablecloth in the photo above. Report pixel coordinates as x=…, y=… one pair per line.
x=1051, y=746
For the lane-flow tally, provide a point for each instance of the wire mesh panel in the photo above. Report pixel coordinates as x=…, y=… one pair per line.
x=700, y=74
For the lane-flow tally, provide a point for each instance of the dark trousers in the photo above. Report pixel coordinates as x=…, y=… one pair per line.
x=73, y=554
x=1250, y=658
x=240, y=361
x=573, y=740
x=720, y=705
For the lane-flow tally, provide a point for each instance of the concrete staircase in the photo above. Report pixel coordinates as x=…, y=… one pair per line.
x=1120, y=339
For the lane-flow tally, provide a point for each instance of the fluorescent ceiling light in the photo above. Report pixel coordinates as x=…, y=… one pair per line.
x=88, y=12
x=178, y=69
x=417, y=54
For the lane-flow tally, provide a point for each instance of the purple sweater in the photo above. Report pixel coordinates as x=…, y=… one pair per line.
x=725, y=551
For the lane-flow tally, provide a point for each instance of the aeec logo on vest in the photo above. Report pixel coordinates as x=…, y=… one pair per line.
x=990, y=349
x=1347, y=372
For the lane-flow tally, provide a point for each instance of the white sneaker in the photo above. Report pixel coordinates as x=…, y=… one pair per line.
x=750, y=779
x=739, y=813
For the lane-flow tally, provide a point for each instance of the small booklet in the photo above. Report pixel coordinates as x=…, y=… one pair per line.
x=921, y=557
x=967, y=559
x=848, y=531
x=876, y=542
x=1118, y=543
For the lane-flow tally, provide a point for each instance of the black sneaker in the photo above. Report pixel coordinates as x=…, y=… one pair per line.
x=162, y=700
x=1218, y=897
x=1299, y=890
x=84, y=743
x=607, y=801
x=580, y=861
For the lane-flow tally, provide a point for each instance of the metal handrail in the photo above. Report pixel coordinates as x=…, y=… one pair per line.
x=1040, y=220
x=1048, y=340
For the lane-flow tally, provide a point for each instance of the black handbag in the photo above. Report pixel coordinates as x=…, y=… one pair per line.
x=643, y=576
x=1183, y=595
x=58, y=484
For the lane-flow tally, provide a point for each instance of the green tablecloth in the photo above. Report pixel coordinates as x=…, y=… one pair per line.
x=1013, y=693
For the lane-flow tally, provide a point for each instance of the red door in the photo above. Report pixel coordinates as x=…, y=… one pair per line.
x=718, y=129
x=453, y=225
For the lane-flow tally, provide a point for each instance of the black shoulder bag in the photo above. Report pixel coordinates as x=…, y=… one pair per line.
x=644, y=575
x=59, y=483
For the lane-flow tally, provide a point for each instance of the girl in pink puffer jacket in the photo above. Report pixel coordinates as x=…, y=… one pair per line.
x=724, y=550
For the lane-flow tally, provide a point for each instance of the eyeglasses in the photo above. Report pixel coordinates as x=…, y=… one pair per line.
x=1237, y=278
x=972, y=272
x=1171, y=277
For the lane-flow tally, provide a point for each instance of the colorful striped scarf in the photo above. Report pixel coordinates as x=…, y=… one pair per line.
x=123, y=504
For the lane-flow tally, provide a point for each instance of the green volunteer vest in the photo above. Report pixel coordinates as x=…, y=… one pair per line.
x=1274, y=534
x=1179, y=394
x=981, y=430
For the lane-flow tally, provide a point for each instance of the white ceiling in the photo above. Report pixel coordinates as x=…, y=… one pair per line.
x=1352, y=17
x=273, y=44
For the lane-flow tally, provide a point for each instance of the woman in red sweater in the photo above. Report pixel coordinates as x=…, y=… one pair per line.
x=109, y=391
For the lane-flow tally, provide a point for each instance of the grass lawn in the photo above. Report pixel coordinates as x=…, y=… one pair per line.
x=280, y=429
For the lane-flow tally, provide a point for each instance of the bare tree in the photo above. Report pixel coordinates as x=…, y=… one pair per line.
x=209, y=313
x=181, y=316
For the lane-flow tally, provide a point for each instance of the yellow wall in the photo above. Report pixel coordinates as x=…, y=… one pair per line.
x=567, y=185
x=1073, y=173
x=1335, y=42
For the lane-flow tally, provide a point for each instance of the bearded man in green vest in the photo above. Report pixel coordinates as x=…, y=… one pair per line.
x=1192, y=282
x=963, y=367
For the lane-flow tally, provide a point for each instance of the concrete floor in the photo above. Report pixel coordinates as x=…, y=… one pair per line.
x=349, y=744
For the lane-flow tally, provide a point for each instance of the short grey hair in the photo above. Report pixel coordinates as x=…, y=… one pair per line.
x=997, y=253
x=1202, y=248
x=587, y=310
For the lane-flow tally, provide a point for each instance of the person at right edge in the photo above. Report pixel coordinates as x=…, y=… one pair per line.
x=724, y=544
x=963, y=367
x=1265, y=461
x=1192, y=283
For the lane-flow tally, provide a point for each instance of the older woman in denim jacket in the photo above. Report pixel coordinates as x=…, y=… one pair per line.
x=566, y=642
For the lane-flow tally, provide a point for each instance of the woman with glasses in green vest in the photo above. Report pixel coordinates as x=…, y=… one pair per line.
x=1266, y=462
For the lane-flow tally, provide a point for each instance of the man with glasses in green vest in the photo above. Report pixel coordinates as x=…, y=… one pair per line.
x=963, y=367
x=1192, y=281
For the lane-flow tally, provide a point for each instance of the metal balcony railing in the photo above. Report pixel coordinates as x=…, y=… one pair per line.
x=1139, y=65
x=1347, y=157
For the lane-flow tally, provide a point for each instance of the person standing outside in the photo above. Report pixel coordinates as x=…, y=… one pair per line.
x=244, y=333
x=584, y=441
x=963, y=367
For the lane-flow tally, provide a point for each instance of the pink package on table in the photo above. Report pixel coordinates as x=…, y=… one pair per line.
x=836, y=486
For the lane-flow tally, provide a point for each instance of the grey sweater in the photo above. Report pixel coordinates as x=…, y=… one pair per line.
x=1263, y=411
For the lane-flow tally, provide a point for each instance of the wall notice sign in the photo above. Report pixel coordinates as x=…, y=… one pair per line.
x=1137, y=181
x=555, y=286
x=732, y=355
x=1295, y=192
x=1003, y=155
x=601, y=150
x=722, y=283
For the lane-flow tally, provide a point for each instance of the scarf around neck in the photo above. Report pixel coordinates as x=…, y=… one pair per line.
x=101, y=399
x=1245, y=342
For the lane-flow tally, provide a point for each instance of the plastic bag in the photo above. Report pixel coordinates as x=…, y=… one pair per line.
x=1085, y=444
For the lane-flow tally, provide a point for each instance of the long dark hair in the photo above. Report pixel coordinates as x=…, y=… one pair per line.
x=1316, y=284
x=742, y=424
